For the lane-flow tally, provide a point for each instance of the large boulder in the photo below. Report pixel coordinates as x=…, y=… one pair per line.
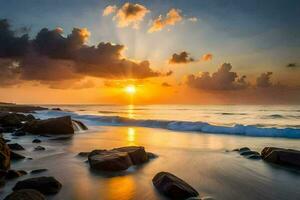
x=137, y=154
x=4, y=155
x=52, y=126
x=45, y=185
x=26, y=194
x=281, y=156
x=8, y=119
x=173, y=187
x=109, y=160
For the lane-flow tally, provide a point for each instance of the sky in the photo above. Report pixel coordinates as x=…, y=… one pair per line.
x=179, y=52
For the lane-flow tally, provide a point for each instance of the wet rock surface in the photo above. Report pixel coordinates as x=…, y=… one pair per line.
x=45, y=185
x=173, y=187
x=16, y=147
x=281, y=156
x=26, y=194
x=4, y=155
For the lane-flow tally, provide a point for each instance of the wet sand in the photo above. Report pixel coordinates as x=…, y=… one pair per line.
x=199, y=159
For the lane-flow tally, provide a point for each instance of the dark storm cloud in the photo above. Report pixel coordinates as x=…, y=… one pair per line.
x=50, y=56
x=223, y=79
x=180, y=58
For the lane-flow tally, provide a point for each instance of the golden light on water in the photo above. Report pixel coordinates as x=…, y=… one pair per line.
x=131, y=135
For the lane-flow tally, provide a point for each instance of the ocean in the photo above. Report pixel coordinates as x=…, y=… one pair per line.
x=193, y=142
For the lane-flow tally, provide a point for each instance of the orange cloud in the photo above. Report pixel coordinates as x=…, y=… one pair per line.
x=109, y=10
x=172, y=17
x=181, y=58
x=207, y=57
x=131, y=15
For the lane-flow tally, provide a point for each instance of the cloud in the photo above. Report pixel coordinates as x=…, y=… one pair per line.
x=292, y=65
x=223, y=79
x=264, y=80
x=193, y=19
x=180, y=58
x=51, y=57
x=207, y=57
x=131, y=15
x=171, y=18
x=109, y=10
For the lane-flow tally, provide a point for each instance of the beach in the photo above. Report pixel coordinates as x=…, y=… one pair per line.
x=204, y=160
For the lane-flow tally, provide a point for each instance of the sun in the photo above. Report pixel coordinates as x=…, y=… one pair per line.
x=130, y=89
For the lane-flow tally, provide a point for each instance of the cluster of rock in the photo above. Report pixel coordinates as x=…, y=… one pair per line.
x=118, y=159
x=280, y=156
x=21, y=124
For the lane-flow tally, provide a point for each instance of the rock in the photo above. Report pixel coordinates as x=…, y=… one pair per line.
x=38, y=171
x=39, y=148
x=243, y=149
x=81, y=125
x=19, y=133
x=36, y=141
x=109, y=161
x=11, y=174
x=4, y=155
x=15, y=146
x=52, y=126
x=15, y=156
x=151, y=155
x=62, y=138
x=45, y=185
x=8, y=119
x=254, y=156
x=6, y=140
x=83, y=154
x=57, y=109
x=281, y=156
x=246, y=153
x=173, y=187
x=26, y=194
x=137, y=154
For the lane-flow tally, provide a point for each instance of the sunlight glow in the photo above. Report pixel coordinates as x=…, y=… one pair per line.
x=130, y=89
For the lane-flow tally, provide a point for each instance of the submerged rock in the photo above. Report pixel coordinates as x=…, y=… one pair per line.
x=45, y=185
x=4, y=155
x=281, y=156
x=14, y=174
x=26, y=194
x=137, y=154
x=15, y=146
x=84, y=154
x=173, y=187
x=36, y=141
x=39, y=148
x=52, y=126
x=78, y=125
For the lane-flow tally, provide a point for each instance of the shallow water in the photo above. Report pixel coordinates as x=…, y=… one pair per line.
x=199, y=159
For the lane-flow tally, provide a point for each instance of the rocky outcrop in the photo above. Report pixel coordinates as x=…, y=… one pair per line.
x=173, y=187
x=4, y=155
x=8, y=119
x=15, y=146
x=26, y=194
x=11, y=174
x=117, y=159
x=248, y=153
x=281, y=156
x=45, y=185
x=52, y=126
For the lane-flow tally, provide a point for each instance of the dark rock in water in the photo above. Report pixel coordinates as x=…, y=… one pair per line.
x=254, y=156
x=6, y=140
x=15, y=156
x=39, y=148
x=52, y=126
x=281, y=156
x=8, y=119
x=173, y=187
x=11, y=174
x=4, y=155
x=109, y=161
x=45, y=185
x=243, y=149
x=81, y=125
x=36, y=141
x=247, y=153
x=19, y=133
x=57, y=109
x=36, y=171
x=15, y=146
x=84, y=154
x=137, y=154
x=151, y=155
x=26, y=194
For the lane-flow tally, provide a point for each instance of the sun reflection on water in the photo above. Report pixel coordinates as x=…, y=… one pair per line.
x=131, y=135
